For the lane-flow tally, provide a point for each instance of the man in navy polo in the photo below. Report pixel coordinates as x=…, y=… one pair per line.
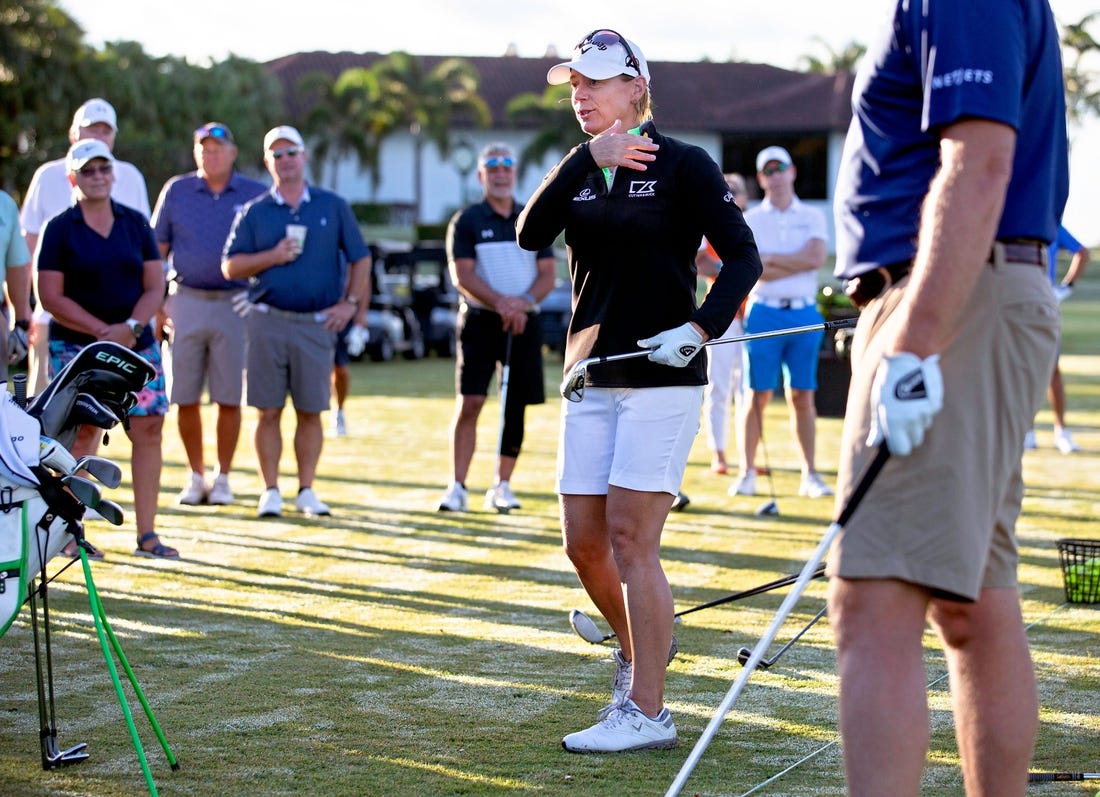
x=191, y=221
x=952, y=183
x=291, y=245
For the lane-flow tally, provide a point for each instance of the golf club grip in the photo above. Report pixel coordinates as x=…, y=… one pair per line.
x=786, y=581
x=1046, y=777
x=870, y=471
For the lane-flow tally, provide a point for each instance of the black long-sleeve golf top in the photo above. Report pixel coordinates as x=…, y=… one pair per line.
x=631, y=251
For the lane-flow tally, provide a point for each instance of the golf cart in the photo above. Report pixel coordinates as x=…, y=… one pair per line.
x=392, y=326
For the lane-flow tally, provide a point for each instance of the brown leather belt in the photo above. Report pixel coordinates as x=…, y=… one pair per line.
x=865, y=287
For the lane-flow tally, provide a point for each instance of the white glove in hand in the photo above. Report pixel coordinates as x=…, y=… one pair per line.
x=241, y=305
x=1062, y=292
x=674, y=347
x=17, y=345
x=905, y=397
x=356, y=340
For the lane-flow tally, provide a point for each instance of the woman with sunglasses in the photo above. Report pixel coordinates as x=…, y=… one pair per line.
x=634, y=205
x=100, y=277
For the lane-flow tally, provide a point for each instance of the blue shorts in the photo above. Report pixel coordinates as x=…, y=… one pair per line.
x=795, y=354
x=153, y=398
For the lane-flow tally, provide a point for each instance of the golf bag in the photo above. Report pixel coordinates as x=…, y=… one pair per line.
x=40, y=513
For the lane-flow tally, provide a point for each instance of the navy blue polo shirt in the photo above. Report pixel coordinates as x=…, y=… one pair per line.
x=195, y=222
x=940, y=62
x=103, y=275
x=315, y=279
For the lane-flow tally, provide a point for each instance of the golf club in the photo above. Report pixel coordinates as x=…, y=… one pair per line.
x=504, y=374
x=111, y=512
x=86, y=491
x=866, y=479
x=102, y=469
x=744, y=654
x=1047, y=777
x=572, y=387
x=587, y=629
x=771, y=507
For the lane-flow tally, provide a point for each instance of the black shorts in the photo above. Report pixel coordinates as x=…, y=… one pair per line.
x=483, y=344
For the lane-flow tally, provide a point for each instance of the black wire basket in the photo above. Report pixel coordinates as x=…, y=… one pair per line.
x=1080, y=569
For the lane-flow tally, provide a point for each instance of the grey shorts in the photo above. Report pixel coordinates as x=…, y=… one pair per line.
x=945, y=516
x=289, y=357
x=207, y=345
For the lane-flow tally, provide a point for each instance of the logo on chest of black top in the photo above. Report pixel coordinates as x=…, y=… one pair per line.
x=586, y=195
x=487, y=233
x=642, y=188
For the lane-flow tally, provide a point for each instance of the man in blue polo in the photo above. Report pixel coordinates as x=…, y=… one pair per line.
x=291, y=244
x=191, y=221
x=952, y=182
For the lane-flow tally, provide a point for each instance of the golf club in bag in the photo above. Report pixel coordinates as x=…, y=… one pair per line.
x=866, y=479
x=586, y=628
x=572, y=387
x=98, y=386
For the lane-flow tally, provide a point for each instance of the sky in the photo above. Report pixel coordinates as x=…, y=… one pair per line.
x=779, y=33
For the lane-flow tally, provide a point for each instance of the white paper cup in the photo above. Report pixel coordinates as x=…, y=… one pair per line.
x=298, y=233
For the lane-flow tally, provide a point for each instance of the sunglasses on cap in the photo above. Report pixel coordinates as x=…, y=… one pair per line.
x=290, y=151
x=219, y=132
x=92, y=171
x=604, y=38
x=499, y=161
x=768, y=171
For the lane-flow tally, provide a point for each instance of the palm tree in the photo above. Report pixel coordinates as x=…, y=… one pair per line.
x=1082, y=93
x=341, y=120
x=552, y=116
x=844, y=60
x=427, y=104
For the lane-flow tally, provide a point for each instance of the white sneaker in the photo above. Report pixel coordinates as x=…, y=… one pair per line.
x=341, y=424
x=454, y=500
x=270, y=504
x=308, y=503
x=620, y=679
x=194, y=493
x=1064, y=442
x=1029, y=441
x=679, y=502
x=746, y=485
x=625, y=728
x=220, y=494
x=813, y=486
x=501, y=498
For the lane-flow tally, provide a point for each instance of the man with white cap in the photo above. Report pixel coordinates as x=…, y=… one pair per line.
x=791, y=238
x=50, y=193
x=291, y=244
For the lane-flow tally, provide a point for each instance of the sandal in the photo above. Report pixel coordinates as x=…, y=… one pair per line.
x=158, y=551
x=73, y=551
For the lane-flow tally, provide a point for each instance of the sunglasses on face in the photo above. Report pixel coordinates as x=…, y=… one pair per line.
x=768, y=171
x=91, y=171
x=501, y=162
x=602, y=39
x=288, y=151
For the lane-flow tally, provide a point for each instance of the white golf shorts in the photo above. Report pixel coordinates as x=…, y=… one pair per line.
x=636, y=438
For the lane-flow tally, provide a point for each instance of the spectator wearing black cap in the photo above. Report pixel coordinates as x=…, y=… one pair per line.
x=192, y=219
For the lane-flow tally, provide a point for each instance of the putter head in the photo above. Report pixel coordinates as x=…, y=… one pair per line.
x=572, y=387
x=770, y=508
x=585, y=628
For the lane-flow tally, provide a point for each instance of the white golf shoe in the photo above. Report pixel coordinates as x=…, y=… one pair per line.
x=501, y=498
x=308, y=503
x=1064, y=442
x=195, y=491
x=220, y=492
x=270, y=503
x=746, y=485
x=454, y=500
x=625, y=728
x=1030, y=444
x=813, y=486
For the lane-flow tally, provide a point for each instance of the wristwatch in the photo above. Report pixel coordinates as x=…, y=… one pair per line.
x=136, y=327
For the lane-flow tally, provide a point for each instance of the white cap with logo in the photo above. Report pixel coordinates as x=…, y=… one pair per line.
x=772, y=154
x=601, y=55
x=87, y=150
x=94, y=111
x=283, y=133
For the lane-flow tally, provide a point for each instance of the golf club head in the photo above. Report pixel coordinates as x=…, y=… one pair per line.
x=86, y=491
x=572, y=387
x=89, y=410
x=585, y=628
x=770, y=508
x=743, y=659
x=108, y=473
x=110, y=511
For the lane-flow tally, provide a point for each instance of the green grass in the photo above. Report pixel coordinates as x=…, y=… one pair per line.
x=392, y=649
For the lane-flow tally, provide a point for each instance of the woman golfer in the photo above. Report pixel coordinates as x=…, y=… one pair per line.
x=634, y=205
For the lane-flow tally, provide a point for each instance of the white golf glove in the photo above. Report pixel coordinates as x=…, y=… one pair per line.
x=905, y=397
x=1062, y=292
x=241, y=305
x=17, y=345
x=674, y=347
x=356, y=340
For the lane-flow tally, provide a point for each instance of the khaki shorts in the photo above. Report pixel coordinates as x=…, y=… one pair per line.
x=945, y=516
x=207, y=344
x=289, y=357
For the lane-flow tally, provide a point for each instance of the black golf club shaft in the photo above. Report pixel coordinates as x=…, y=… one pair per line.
x=786, y=581
x=744, y=653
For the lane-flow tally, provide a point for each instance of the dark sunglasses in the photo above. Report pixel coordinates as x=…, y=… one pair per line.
x=494, y=162
x=604, y=38
x=290, y=151
x=768, y=171
x=91, y=171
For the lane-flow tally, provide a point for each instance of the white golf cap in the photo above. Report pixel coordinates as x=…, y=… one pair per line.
x=601, y=55
x=94, y=111
x=284, y=133
x=87, y=150
x=772, y=154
